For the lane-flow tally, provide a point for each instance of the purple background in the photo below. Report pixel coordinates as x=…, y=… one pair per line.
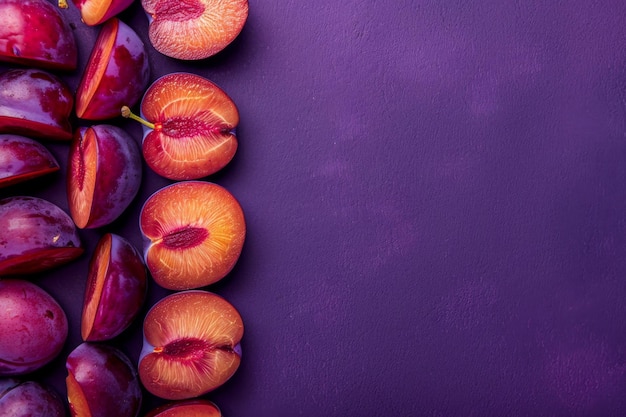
x=435, y=194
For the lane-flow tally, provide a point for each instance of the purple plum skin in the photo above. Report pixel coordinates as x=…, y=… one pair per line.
x=118, y=173
x=107, y=379
x=123, y=292
x=36, y=104
x=125, y=78
x=33, y=325
x=35, y=235
x=22, y=159
x=29, y=399
x=34, y=33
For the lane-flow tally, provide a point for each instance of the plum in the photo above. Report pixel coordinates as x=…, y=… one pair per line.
x=191, y=345
x=34, y=327
x=23, y=398
x=104, y=175
x=187, y=408
x=194, y=29
x=115, y=291
x=101, y=382
x=36, y=104
x=189, y=126
x=35, y=235
x=116, y=74
x=194, y=233
x=22, y=159
x=34, y=33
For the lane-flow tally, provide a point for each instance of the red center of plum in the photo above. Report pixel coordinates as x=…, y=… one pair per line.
x=185, y=127
x=179, y=10
x=186, y=349
x=81, y=165
x=186, y=237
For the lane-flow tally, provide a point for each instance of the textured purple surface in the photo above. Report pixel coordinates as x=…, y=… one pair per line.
x=435, y=194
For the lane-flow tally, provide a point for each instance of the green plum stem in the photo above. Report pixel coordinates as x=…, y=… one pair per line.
x=127, y=113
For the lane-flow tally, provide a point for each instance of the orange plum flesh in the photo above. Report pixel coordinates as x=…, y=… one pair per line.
x=194, y=233
x=115, y=290
x=194, y=127
x=191, y=345
x=187, y=408
x=194, y=29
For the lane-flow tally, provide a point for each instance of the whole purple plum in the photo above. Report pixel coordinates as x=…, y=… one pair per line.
x=29, y=399
x=33, y=326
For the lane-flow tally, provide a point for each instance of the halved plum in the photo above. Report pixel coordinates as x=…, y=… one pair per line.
x=194, y=233
x=22, y=159
x=194, y=29
x=191, y=345
x=189, y=126
x=187, y=408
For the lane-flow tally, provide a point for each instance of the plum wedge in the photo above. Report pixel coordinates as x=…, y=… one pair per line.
x=104, y=175
x=189, y=126
x=116, y=74
x=194, y=233
x=187, y=408
x=115, y=290
x=35, y=103
x=34, y=33
x=101, y=382
x=22, y=159
x=35, y=235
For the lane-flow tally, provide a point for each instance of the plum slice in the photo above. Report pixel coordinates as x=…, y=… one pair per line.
x=34, y=33
x=116, y=74
x=115, y=290
x=104, y=175
x=35, y=235
x=35, y=103
x=22, y=159
x=95, y=12
x=101, y=382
